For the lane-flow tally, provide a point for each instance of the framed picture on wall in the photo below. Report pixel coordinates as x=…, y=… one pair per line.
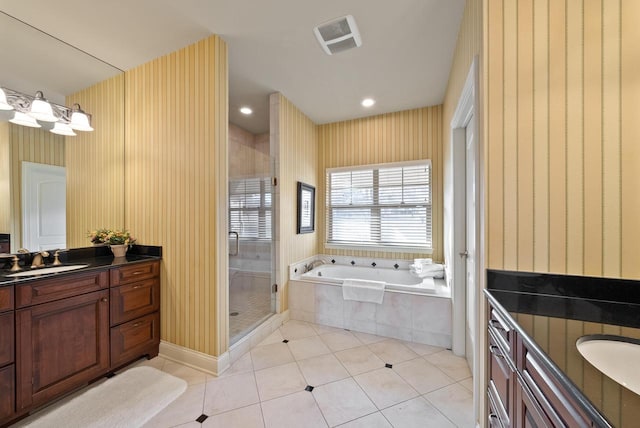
x=306, y=208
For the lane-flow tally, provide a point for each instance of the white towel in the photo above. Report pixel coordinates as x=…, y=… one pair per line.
x=362, y=290
x=429, y=271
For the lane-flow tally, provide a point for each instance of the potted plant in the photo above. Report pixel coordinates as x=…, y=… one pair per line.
x=118, y=240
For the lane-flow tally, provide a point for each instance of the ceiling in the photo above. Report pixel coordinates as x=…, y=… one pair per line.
x=404, y=61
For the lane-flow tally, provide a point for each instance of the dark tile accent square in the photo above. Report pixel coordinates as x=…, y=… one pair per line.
x=389, y=366
x=285, y=341
x=202, y=418
x=309, y=388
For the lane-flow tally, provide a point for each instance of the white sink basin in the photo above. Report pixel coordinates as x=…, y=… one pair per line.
x=615, y=356
x=43, y=271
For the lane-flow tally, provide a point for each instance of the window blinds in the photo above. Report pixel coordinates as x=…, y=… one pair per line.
x=380, y=205
x=250, y=207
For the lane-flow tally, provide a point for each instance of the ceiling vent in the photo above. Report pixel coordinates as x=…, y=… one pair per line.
x=338, y=35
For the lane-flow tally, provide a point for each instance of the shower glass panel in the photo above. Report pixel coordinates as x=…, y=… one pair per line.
x=251, y=300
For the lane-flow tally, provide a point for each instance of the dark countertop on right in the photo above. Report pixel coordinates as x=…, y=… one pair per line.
x=553, y=311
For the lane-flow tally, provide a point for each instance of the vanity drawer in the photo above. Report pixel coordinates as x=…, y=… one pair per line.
x=134, y=272
x=503, y=333
x=6, y=298
x=134, y=300
x=495, y=417
x=554, y=400
x=135, y=338
x=48, y=290
x=6, y=338
x=501, y=378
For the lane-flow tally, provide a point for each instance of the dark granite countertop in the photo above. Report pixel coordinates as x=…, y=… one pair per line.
x=552, y=311
x=97, y=258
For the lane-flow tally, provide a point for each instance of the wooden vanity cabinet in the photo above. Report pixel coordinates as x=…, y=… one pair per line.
x=63, y=332
x=7, y=355
x=61, y=343
x=522, y=391
x=135, y=316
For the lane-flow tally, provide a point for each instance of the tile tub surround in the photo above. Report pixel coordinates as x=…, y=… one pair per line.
x=419, y=318
x=297, y=268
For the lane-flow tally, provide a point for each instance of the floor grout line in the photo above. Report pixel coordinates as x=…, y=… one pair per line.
x=318, y=334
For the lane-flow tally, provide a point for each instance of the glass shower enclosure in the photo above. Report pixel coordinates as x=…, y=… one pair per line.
x=251, y=297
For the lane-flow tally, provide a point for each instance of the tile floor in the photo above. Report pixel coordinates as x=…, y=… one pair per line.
x=249, y=303
x=307, y=375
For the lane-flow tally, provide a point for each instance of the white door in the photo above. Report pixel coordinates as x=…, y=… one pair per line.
x=470, y=200
x=44, y=206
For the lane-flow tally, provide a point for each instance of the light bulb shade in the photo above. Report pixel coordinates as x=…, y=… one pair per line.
x=63, y=129
x=4, y=105
x=20, y=118
x=79, y=120
x=41, y=109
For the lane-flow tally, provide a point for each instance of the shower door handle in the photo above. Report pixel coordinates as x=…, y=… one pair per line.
x=237, y=249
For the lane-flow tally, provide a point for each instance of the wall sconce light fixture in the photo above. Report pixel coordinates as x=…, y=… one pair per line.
x=35, y=111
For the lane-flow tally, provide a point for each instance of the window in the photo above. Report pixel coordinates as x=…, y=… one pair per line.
x=387, y=205
x=250, y=207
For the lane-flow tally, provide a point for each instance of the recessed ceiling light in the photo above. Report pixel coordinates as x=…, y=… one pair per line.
x=368, y=102
x=246, y=110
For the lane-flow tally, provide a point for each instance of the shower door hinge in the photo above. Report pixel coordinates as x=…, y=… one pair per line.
x=274, y=288
x=275, y=181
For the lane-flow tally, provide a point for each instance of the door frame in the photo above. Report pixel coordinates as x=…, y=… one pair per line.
x=468, y=108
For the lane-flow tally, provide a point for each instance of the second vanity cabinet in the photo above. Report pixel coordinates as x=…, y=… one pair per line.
x=7, y=366
x=521, y=391
x=72, y=329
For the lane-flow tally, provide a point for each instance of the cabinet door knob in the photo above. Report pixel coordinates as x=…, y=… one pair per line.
x=104, y=299
x=496, y=351
x=497, y=325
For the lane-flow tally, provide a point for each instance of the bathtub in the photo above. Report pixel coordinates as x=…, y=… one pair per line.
x=395, y=279
x=412, y=309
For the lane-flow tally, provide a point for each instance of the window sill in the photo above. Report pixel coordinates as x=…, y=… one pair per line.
x=382, y=248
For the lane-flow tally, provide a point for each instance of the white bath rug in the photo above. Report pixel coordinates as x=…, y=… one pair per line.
x=128, y=400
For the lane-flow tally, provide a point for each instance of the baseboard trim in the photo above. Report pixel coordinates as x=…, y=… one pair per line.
x=195, y=359
x=217, y=365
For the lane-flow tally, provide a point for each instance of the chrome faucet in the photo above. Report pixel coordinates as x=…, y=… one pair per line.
x=38, y=260
x=313, y=265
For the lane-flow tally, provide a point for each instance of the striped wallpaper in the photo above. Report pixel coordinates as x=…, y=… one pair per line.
x=95, y=163
x=469, y=44
x=563, y=195
x=563, y=96
x=297, y=143
x=393, y=137
x=176, y=186
x=5, y=179
x=31, y=145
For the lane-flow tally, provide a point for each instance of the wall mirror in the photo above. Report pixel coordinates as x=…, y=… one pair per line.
x=35, y=61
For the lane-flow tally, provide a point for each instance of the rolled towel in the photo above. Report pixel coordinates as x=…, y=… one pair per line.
x=435, y=270
x=362, y=290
